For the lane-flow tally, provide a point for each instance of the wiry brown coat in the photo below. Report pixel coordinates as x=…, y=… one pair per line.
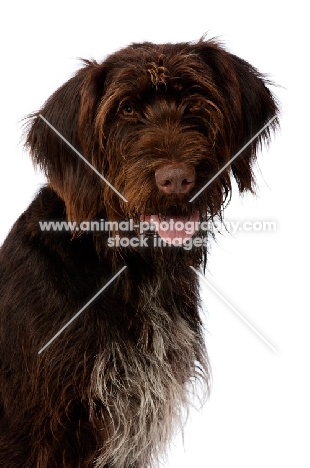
x=109, y=390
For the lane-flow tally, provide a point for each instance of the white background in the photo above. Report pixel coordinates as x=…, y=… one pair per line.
x=258, y=413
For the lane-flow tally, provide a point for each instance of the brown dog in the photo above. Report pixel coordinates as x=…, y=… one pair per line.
x=158, y=122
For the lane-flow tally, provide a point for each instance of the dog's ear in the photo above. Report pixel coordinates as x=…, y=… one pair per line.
x=249, y=106
x=71, y=112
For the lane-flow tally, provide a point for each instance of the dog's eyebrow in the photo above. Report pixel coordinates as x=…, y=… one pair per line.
x=82, y=157
x=233, y=158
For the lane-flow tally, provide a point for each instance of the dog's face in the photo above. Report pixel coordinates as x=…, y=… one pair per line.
x=158, y=122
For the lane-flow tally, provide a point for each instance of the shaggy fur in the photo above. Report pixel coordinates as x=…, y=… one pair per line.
x=158, y=121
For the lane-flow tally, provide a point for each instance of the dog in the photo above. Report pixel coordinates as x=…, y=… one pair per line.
x=102, y=343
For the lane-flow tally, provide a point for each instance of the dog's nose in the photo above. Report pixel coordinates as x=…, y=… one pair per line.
x=175, y=178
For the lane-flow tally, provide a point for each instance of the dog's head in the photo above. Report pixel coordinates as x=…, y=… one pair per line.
x=158, y=122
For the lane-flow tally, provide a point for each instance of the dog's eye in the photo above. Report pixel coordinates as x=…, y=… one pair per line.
x=193, y=108
x=128, y=110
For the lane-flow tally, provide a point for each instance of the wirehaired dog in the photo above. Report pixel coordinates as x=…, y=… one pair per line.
x=158, y=122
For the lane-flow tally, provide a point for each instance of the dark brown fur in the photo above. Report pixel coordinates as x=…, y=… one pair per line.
x=110, y=389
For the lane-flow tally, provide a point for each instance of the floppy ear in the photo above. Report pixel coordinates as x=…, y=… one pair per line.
x=71, y=111
x=250, y=105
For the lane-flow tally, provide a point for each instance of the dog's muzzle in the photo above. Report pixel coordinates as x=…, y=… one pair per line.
x=174, y=179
